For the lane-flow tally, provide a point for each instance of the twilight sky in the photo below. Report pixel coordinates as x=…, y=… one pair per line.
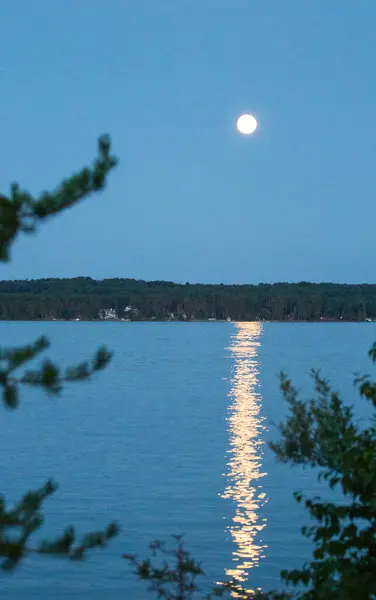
x=192, y=200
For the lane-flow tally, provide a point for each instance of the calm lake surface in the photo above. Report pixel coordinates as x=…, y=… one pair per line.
x=170, y=439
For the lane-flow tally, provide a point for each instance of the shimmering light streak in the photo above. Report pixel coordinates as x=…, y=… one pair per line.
x=244, y=473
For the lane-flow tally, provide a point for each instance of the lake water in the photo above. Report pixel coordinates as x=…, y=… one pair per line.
x=170, y=438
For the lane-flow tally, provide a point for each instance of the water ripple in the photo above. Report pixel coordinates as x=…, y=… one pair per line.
x=244, y=466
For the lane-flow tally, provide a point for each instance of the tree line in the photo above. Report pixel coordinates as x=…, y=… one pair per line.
x=131, y=299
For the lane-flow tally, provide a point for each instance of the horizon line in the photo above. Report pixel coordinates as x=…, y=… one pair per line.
x=187, y=283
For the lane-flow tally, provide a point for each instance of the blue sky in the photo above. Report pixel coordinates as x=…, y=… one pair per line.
x=192, y=200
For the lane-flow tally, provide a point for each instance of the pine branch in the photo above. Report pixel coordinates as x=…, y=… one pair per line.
x=21, y=212
x=49, y=376
x=18, y=524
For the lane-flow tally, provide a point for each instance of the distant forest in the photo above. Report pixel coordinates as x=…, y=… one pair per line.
x=129, y=299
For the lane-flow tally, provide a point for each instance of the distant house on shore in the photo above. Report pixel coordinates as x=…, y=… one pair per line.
x=108, y=314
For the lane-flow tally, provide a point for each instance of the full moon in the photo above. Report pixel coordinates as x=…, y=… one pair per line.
x=246, y=124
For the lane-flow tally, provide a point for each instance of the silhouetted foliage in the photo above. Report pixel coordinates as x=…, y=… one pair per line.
x=325, y=433
x=21, y=212
x=176, y=582
x=171, y=573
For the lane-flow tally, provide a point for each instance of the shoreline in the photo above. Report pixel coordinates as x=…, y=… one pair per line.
x=167, y=321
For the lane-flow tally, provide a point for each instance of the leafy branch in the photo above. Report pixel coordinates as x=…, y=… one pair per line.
x=324, y=433
x=49, y=376
x=19, y=523
x=21, y=212
x=176, y=582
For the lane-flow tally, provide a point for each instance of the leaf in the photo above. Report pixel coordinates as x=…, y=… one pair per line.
x=101, y=359
x=50, y=376
x=61, y=545
x=11, y=396
x=77, y=373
